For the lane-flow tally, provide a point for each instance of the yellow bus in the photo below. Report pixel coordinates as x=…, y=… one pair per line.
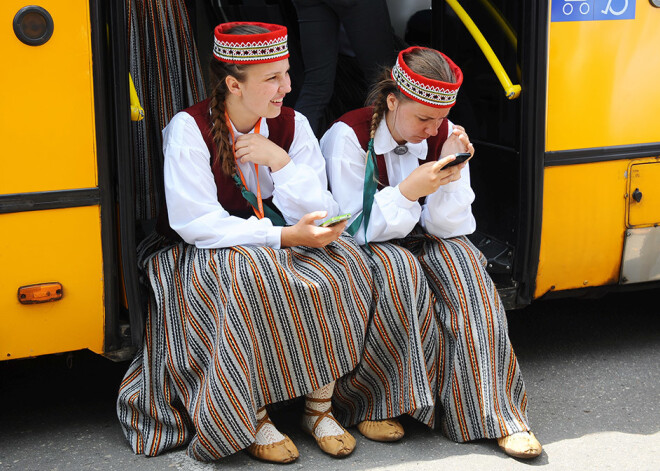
x=559, y=98
x=66, y=180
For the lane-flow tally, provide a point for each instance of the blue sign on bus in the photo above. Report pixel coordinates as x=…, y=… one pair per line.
x=592, y=10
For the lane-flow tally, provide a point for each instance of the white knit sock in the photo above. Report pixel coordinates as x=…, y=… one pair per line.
x=268, y=434
x=327, y=427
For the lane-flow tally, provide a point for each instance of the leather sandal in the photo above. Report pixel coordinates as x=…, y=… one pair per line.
x=334, y=445
x=283, y=451
x=520, y=445
x=388, y=430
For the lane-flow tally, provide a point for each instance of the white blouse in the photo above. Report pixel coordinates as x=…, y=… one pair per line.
x=446, y=212
x=298, y=188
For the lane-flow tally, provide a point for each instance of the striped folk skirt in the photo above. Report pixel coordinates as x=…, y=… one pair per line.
x=231, y=330
x=476, y=380
x=398, y=372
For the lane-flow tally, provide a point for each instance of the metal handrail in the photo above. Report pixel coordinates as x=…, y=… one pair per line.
x=512, y=91
x=137, y=112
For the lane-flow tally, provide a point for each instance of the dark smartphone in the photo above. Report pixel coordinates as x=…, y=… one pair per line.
x=460, y=157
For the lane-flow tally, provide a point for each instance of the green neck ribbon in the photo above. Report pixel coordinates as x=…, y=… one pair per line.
x=370, y=187
x=275, y=218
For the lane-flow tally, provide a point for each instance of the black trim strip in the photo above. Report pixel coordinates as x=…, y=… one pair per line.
x=534, y=66
x=37, y=201
x=103, y=109
x=601, y=154
x=125, y=176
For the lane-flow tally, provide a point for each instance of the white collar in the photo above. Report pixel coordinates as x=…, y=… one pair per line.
x=384, y=143
x=263, y=130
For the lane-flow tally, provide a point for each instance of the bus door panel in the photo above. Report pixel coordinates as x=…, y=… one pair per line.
x=52, y=246
x=50, y=222
x=641, y=252
x=602, y=101
x=47, y=121
x=643, y=194
x=602, y=80
x=583, y=226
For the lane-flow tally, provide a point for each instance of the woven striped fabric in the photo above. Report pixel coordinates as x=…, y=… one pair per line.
x=231, y=330
x=459, y=361
x=164, y=64
x=398, y=370
x=482, y=392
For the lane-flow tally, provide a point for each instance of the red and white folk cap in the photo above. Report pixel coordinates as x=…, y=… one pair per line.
x=250, y=48
x=426, y=91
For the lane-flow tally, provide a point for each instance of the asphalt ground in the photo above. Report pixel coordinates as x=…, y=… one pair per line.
x=591, y=366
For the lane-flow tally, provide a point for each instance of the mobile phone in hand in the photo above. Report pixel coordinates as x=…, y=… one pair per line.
x=335, y=220
x=460, y=158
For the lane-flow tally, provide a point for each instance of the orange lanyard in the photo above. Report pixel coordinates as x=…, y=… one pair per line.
x=259, y=212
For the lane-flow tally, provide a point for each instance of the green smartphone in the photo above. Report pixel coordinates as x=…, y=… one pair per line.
x=335, y=220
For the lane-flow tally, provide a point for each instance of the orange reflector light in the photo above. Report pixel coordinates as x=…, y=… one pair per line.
x=40, y=293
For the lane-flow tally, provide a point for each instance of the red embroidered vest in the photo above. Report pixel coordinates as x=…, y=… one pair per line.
x=281, y=131
x=360, y=121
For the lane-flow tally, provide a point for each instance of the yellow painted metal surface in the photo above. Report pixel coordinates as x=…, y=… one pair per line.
x=603, y=82
x=584, y=222
x=59, y=245
x=46, y=96
x=644, y=177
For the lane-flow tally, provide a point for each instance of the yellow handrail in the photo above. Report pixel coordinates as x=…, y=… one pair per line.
x=137, y=112
x=512, y=91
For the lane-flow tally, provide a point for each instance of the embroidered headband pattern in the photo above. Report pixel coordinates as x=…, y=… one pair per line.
x=250, y=48
x=427, y=91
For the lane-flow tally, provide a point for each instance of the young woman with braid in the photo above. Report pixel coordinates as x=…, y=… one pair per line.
x=245, y=311
x=388, y=166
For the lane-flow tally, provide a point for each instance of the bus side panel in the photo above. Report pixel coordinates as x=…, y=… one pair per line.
x=584, y=222
x=60, y=245
x=603, y=81
x=47, y=120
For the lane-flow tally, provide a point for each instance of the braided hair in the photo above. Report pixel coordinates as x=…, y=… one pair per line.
x=426, y=62
x=219, y=131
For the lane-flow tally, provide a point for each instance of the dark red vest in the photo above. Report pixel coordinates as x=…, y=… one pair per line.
x=281, y=131
x=360, y=121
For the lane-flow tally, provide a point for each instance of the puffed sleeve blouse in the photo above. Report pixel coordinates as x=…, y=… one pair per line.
x=193, y=209
x=445, y=213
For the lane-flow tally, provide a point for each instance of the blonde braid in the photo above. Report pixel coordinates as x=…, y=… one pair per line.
x=220, y=132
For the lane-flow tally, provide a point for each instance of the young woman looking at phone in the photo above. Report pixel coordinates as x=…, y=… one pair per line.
x=388, y=165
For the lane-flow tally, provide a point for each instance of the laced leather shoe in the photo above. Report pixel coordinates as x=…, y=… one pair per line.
x=334, y=445
x=283, y=451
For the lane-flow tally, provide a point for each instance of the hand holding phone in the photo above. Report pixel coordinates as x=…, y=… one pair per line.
x=460, y=158
x=335, y=220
